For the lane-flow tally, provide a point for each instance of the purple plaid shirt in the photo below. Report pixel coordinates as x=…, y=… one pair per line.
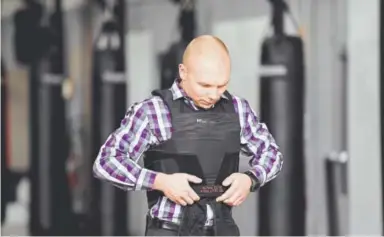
x=148, y=124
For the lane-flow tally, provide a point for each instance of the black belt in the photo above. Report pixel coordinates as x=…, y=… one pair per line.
x=167, y=225
x=212, y=190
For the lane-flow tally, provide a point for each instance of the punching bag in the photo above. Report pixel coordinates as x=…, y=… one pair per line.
x=56, y=216
x=282, y=201
x=32, y=41
x=31, y=37
x=170, y=60
x=169, y=64
x=108, y=214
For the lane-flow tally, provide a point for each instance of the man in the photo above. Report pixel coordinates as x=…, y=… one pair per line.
x=191, y=136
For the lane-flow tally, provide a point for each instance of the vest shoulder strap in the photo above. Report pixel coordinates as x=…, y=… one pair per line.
x=228, y=95
x=228, y=104
x=167, y=97
x=165, y=94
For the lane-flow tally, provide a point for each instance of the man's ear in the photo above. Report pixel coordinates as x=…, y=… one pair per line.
x=182, y=71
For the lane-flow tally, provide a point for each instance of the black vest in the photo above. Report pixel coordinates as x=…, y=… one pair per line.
x=204, y=143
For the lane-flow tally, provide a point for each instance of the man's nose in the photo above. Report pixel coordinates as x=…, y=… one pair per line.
x=214, y=94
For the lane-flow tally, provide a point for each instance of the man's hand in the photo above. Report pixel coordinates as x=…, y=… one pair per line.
x=240, y=185
x=176, y=187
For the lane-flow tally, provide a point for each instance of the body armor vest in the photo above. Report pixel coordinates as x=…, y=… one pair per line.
x=204, y=143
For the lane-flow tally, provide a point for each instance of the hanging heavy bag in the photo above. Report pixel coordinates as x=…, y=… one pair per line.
x=31, y=38
x=282, y=202
x=169, y=64
x=170, y=60
x=108, y=212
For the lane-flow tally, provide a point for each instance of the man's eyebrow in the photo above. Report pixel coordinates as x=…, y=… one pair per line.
x=204, y=84
x=226, y=83
x=207, y=84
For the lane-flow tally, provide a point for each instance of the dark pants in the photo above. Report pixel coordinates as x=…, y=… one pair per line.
x=156, y=227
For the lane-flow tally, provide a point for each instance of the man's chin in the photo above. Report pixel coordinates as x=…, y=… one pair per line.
x=205, y=106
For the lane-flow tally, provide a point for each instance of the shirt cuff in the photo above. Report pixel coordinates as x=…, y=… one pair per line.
x=146, y=179
x=260, y=174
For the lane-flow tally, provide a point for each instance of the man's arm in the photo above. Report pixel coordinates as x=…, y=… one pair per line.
x=118, y=156
x=266, y=159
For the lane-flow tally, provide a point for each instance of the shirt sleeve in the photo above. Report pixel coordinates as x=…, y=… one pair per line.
x=118, y=156
x=258, y=143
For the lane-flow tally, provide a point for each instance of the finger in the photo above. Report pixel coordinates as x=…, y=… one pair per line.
x=227, y=194
x=228, y=180
x=239, y=201
x=193, y=179
x=193, y=195
x=181, y=201
x=231, y=200
x=187, y=198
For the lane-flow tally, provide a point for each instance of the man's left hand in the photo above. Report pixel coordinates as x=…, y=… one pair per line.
x=238, y=191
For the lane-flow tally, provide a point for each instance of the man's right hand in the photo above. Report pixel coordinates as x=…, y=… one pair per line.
x=176, y=187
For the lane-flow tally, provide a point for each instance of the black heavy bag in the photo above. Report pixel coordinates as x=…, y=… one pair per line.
x=55, y=211
x=108, y=212
x=169, y=64
x=170, y=60
x=31, y=37
x=282, y=202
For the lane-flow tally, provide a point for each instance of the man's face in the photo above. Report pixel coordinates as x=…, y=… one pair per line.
x=205, y=81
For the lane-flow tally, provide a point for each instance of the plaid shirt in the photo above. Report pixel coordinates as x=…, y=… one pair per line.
x=148, y=124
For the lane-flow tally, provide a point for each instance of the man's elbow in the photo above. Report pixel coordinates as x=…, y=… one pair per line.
x=97, y=169
x=279, y=163
x=100, y=172
x=280, y=158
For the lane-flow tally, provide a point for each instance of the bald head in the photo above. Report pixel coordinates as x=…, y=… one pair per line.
x=205, y=46
x=205, y=69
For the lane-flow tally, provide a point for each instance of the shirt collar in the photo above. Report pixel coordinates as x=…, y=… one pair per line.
x=178, y=92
